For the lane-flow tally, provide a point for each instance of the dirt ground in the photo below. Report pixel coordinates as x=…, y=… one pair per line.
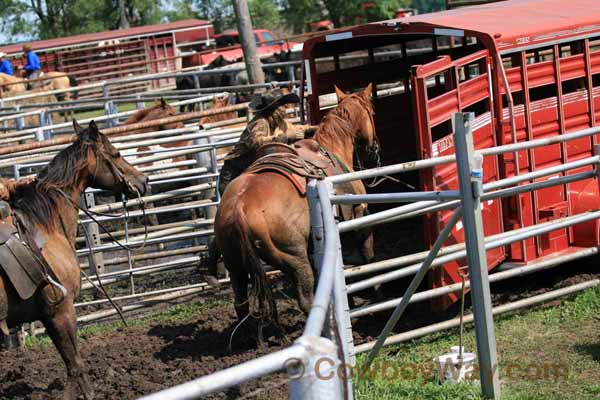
x=137, y=360
x=128, y=362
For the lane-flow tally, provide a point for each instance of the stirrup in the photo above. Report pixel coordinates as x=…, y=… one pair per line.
x=60, y=287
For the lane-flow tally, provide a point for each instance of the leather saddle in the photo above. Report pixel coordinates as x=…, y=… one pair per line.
x=24, y=269
x=306, y=159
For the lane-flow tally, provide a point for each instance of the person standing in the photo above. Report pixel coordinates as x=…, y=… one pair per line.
x=5, y=65
x=32, y=66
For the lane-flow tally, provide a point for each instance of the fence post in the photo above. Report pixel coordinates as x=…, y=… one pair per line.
x=20, y=121
x=317, y=377
x=96, y=262
x=139, y=104
x=470, y=175
x=342, y=314
x=109, y=109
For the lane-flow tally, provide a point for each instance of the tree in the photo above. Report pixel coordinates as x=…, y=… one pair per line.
x=264, y=14
x=425, y=6
x=246, y=35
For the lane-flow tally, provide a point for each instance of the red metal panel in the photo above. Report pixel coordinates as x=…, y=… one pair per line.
x=572, y=67
x=432, y=112
x=442, y=107
x=474, y=90
x=541, y=74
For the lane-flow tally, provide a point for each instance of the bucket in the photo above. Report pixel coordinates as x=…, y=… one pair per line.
x=451, y=368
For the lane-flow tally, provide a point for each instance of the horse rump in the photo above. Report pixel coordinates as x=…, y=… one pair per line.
x=261, y=301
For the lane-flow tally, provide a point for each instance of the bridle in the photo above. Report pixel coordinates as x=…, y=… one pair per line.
x=124, y=183
x=373, y=150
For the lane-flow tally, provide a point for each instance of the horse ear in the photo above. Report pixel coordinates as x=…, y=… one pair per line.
x=340, y=94
x=93, y=127
x=368, y=92
x=77, y=128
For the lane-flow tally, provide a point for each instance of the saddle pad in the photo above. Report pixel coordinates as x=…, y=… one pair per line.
x=22, y=268
x=298, y=181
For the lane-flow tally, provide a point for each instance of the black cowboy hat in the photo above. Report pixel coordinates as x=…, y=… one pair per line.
x=268, y=102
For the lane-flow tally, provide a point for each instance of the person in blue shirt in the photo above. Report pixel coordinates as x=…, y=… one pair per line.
x=32, y=66
x=5, y=65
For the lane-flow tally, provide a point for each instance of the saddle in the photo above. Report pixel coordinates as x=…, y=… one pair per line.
x=25, y=271
x=305, y=160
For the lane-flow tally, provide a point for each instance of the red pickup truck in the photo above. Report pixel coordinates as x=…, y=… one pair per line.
x=228, y=46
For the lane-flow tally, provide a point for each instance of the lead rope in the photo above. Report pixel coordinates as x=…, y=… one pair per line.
x=377, y=181
x=463, y=277
x=100, y=287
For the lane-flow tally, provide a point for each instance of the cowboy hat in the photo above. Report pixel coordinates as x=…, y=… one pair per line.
x=268, y=102
x=26, y=47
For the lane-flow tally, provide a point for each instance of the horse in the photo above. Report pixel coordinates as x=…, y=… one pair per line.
x=160, y=109
x=262, y=216
x=48, y=210
x=9, y=83
x=58, y=81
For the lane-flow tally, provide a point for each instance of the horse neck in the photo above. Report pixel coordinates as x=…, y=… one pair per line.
x=66, y=214
x=334, y=140
x=69, y=214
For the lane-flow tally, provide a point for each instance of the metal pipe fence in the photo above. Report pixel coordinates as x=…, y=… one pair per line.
x=321, y=337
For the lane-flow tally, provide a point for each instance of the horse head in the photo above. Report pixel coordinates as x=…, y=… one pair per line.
x=360, y=107
x=105, y=168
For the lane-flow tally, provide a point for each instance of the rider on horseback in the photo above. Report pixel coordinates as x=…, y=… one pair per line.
x=267, y=126
x=32, y=67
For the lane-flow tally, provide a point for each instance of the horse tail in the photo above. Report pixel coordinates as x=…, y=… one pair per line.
x=73, y=83
x=261, y=296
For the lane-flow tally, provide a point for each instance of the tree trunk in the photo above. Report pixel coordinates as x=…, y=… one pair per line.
x=244, y=24
x=123, y=22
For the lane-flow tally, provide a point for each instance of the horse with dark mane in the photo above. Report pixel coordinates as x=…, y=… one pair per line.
x=160, y=109
x=46, y=211
x=263, y=216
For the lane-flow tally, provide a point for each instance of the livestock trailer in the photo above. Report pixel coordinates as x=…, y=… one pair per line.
x=527, y=69
x=118, y=53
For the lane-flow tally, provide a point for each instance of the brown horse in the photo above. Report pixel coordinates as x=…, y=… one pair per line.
x=48, y=210
x=160, y=109
x=218, y=103
x=262, y=216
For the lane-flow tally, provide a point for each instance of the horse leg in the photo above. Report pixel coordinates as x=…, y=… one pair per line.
x=62, y=328
x=299, y=269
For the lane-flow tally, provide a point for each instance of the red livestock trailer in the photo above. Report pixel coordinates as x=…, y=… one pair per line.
x=118, y=53
x=544, y=53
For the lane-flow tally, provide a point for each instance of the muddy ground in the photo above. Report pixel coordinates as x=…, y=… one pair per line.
x=128, y=362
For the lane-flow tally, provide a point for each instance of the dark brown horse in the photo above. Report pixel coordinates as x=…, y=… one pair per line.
x=47, y=207
x=263, y=217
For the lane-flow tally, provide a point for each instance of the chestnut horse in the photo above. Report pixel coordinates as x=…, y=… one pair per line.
x=262, y=216
x=48, y=209
x=160, y=109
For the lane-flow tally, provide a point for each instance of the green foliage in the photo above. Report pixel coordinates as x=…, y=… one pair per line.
x=45, y=19
x=264, y=14
x=425, y=6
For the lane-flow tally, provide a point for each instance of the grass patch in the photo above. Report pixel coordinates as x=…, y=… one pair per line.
x=550, y=353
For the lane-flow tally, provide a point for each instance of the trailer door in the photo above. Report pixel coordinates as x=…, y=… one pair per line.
x=440, y=89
